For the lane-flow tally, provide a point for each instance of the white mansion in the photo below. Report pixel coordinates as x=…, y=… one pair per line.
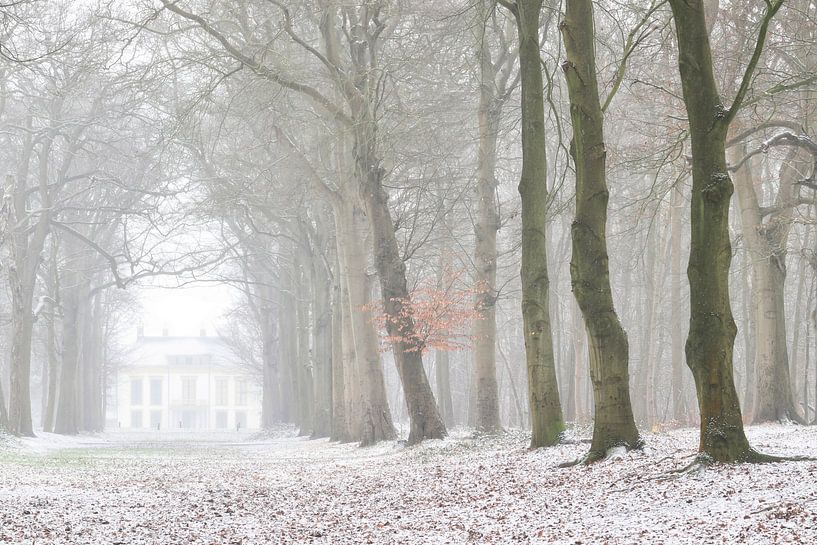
x=168, y=383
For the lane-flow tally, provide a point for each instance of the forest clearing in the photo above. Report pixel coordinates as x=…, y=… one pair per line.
x=203, y=489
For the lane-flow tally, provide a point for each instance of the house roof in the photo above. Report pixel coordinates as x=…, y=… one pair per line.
x=163, y=351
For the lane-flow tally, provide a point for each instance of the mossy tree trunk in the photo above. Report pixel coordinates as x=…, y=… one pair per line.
x=709, y=346
x=589, y=271
x=547, y=422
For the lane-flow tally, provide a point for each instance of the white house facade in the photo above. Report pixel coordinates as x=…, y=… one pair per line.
x=172, y=383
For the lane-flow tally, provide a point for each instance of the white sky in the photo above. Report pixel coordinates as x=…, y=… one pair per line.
x=184, y=311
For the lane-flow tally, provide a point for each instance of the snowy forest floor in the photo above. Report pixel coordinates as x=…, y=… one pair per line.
x=119, y=488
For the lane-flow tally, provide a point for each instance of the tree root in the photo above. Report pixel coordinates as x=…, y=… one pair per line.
x=565, y=441
x=703, y=461
x=698, y=464
x=594, y=456
x=589, y=458
x=755, y=457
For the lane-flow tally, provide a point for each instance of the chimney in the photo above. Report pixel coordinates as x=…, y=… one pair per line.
x=165, y=331
x=140, y=331
x=202, y=332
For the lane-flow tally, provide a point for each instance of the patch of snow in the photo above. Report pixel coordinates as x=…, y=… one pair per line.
x=616, y=453
x=203, y=489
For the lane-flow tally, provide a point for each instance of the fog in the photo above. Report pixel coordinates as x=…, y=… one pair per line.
x=307, y=228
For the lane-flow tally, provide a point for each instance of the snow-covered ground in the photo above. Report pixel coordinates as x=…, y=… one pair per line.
x=243, y=489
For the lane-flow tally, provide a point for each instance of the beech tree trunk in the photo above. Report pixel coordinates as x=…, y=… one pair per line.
x=766, y=236
x=4, y=417
x=374, y=421
x=287, y=346
x=26, y=240
x=709, y=347
x=748, y=324
x=442, y=358
x=801, y=303
x=270, y=400
x=547, y=422
x=91, y=393
x=304, y=371
x=67, y=414
x=425, y=420
x=49, y=412
x=340, y=419
x=485, y=232
x=589, y=270
x=322, y=346
x=680, y=412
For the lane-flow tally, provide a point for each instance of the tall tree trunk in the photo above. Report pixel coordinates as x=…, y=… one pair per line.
x=27, y=238
x=547, y=422
x=589, y=270
x=766, y=242
x=4, y=417
x=442, y=372
x=340, y=363
x=305, y=378
x=680, y=412
x=322, y=343
x=52, y=356
x=520, y=413
x=354, y=384
x=709, y=347
x=425, y=420
x=270, y=410
x=801, y=302
x=91, y=397
x=648, y=339
x=287, y=347
x=485, y=256
x=748, y=325
x=372, y=417
x=579, y=344
x=442, y=359
x=67, y=413
x=814, y=322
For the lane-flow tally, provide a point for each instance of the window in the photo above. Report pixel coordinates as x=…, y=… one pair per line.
x=240, y=392
x=156, y=391
x=156, y=420
x=136, y=419
x=188, y=419
x=221, y=420
x=188, y=389
x=222, y=392
x=136, y=391
x=240, y=420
